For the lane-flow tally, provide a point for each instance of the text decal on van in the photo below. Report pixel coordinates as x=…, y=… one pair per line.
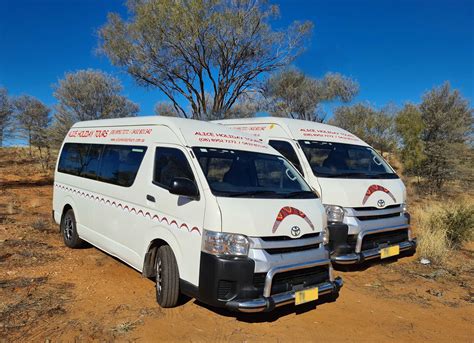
x=377, y=188
x=130, y=209
x=288, y=211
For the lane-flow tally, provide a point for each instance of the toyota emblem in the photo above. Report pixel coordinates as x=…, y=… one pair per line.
x=381, y=203
x=295, y=231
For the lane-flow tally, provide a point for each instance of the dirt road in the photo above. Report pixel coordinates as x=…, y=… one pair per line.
x=48, y=291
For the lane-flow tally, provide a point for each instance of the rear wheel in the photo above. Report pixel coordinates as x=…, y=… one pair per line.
x=69, y=231
x=167, y=277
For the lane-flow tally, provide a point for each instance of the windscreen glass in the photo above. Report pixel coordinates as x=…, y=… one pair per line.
x=237, y=173
x=338, y=160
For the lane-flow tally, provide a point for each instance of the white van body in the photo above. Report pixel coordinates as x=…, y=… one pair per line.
x=117, y=177
x=366, y=212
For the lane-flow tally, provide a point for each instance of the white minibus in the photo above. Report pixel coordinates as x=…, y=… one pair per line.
x=208, y=211
x=365, y=200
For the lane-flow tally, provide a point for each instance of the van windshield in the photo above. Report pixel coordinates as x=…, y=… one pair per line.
x=246, y=174
x=338, y=160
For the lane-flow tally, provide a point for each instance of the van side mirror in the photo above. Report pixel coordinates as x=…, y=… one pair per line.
x=185, y=187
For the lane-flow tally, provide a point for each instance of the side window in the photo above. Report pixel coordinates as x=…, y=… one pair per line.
x=120, y=164
x=170, y=163
x=91, y=165
x=73, y=157
x=287, y=150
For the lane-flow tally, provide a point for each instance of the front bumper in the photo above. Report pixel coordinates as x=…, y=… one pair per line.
x=263, y=304
x=343, y=253
x=366, y=255
x=232, y=283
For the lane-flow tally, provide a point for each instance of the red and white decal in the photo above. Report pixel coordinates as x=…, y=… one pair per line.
x=377, y=188
x=288, y=211
x=321, y=133
x=114, y=135
x=131, y=209
x=225, y=138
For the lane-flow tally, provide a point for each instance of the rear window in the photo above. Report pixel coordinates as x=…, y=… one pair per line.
x=73, y=158
x=115, y=164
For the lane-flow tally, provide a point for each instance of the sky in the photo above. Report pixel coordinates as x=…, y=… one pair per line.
x=396, y=50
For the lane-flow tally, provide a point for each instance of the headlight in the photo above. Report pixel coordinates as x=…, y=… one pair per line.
x=228, y=244
x=335, y=213
x=325, y=235
x=405, y=208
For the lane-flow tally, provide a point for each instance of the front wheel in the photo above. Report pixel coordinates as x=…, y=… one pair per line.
x=167, y=278
x=69, y=231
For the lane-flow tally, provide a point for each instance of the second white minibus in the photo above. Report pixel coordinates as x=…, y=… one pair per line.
x=365, y=200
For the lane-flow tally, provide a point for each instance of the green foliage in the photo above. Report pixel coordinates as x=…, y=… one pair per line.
x=376, y=127
x=293, y=94
x=447, y=124
x=409, y=126
x=458, y=221
x=88, y=95
x=208, y=53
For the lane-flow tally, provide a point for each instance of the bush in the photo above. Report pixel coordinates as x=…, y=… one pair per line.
x=459, y=224
x=442, y=228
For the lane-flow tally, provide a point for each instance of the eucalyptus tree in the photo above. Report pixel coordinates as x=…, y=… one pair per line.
x=88, y=95
x=204, y=55
x=6, y=111
x=293, y=94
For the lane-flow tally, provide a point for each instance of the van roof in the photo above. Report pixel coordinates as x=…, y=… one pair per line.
x=191, y=132
x=300, y=129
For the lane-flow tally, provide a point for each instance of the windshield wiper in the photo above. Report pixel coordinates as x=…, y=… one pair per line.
x=385, y=176
x=251, y=193
x=300, y=195
x=347, y=175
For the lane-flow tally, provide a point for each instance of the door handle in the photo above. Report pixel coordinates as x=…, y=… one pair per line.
x=150, y=198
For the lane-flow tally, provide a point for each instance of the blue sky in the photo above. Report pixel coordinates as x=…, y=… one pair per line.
x=396, y=50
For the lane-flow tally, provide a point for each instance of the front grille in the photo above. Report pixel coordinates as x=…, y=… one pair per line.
x=375, y=208
x=379, y=216
x=286, y=238
x=284, y=282
x=274, y=251
x=392, y=237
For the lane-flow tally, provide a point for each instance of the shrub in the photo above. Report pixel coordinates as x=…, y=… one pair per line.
x=442, y=228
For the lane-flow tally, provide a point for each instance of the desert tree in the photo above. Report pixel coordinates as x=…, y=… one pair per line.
x=293, y=94
x=204, y=55
x=6, y=111
x=166, y=109
x=447, y=128
x=376, y=127
x=409, y=127
x=32, y=120
x=88, y=95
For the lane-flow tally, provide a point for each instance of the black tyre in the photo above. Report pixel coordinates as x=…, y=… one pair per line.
x=69, y=231
x=167, y=278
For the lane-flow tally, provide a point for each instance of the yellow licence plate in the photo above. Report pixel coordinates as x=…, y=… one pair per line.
x=306, y=295
x=390, y=251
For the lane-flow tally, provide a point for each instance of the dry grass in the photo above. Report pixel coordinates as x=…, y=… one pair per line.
x=443, y=227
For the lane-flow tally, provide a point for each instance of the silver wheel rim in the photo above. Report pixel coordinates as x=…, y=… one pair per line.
x=158, y=276
x=68, y=228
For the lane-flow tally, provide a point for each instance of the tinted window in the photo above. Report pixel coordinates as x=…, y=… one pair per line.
x=73, y=157
x=170, y=163
x=92, y=161
x=328, y=159
x=236, y=173
x=287, y=150
x=119, y=164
